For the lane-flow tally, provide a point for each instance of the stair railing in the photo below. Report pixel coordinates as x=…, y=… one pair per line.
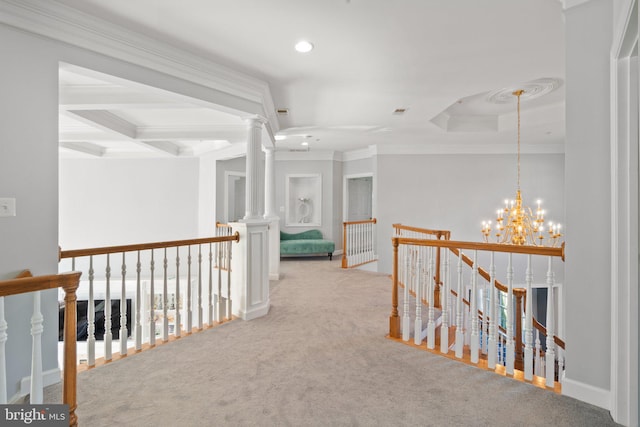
x=176, y=287
x=407, y=252
x=481, y=331
x=359, y=245
x=25, y=283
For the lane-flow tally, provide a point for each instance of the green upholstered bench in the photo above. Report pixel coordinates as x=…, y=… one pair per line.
x=308, y=242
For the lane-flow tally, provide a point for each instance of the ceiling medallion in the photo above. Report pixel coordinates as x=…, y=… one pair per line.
x=532, y=89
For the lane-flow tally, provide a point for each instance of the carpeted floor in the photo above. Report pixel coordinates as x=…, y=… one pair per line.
x=319, y=358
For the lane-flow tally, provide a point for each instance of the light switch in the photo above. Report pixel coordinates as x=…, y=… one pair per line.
x=7, y=207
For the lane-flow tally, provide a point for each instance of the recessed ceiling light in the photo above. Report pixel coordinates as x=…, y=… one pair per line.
x=283, y=111
x=304, y=46
x=305, y=143
x=280, y=137
x=399, y=111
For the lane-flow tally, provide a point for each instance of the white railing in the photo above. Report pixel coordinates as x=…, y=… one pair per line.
x=474, y=303
x=411, y=255
x=25, y=283
x=166, y=289
x=359, y=246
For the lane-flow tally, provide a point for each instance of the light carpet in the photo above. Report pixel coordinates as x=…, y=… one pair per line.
x=319, y=358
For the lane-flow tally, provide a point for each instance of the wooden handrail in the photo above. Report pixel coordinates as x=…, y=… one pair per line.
x=69, y=283
x=146, y=246
x=439, y=233
x=490, y=247
x=221, y=224
x=364, y=221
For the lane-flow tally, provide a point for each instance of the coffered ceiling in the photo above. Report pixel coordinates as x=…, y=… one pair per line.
x=382, y=72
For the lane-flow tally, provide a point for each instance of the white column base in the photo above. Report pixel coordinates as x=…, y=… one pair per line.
x=250, y=270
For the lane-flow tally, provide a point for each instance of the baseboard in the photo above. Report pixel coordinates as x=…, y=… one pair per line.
x=52, y=376
x=587, y=393
x=338, y=252
x=254, y=312
x=274, y=276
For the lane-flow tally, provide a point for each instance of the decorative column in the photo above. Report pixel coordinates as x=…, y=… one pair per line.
x=250, y=256
x=253, y=169
x=270, y=213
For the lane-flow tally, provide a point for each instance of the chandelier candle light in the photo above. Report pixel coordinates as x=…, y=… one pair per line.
x=517, y=224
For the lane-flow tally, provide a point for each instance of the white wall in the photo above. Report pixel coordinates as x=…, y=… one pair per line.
x=105, y=202
x=207, y=183
x=587, y=171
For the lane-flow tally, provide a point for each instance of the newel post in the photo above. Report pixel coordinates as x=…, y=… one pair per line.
x=70, y=358
x=344, y=245
x=394, y=319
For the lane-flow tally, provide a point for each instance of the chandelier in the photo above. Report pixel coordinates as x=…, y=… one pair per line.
x=517, y=224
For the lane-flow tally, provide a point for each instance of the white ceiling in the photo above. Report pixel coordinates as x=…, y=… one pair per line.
x=436, y=59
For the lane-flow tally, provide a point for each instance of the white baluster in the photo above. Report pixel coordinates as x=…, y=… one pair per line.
x=211, y=309
x=493, y=324
x=177, y=331
x=138, y=305
x=108, y=335
x=189, y=307
x=510, y=342
x=444, y=329
x=36, y=352
x=91, y=319
x=229, y=301
x=459, y=312
x=405, y=318
x=560, y=364
x=538, y=364
x=152, y=305
x=219, y=303
x=123, y=309
x=473, y=312
x=528, y=324
x=431, y=286
x=165, y=299
x=417, y=329
x=200, y=314
x=3, y=356
x=550, y=354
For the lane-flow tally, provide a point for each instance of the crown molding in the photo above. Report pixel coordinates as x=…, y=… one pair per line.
x=309, y=155
x=62, y=23
x=469, y=149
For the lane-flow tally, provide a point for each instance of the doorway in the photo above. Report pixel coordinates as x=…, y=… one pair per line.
x=358, y=197
x=234, y=200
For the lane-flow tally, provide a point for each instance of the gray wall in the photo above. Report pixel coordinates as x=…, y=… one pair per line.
x=458, y=192
x=29, y=173
x=587, y=169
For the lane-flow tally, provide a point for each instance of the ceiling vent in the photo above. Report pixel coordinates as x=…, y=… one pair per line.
x=399, y=111
x=282, y=111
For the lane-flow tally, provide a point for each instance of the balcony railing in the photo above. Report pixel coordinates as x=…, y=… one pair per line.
x=476, y=313
x=166, y=289
x=359, y=243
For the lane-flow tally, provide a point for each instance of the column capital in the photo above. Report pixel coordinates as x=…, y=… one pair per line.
x=255, y=120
